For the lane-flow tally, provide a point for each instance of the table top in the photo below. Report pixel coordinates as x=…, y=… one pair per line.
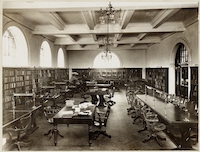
x=74, y=118
x=97, y=91
x=60, y=83
x=23, y=94
x=48, y=87
x=55, y=96
x=12, y=115
x=170, y=113
x=98, y=85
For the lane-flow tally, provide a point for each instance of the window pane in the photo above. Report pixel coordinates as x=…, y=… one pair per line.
x=61, y=59
x=45, y=55
x=14, y=48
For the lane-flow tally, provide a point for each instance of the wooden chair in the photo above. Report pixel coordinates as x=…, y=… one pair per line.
x=154, y=126
x=17, y=135
x=109, y=96
x=49, y=112
x=101, y=117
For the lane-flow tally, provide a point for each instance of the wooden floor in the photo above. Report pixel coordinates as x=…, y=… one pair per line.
x=120, y=127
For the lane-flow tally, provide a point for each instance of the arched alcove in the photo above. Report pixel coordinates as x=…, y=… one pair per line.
x=113, y=62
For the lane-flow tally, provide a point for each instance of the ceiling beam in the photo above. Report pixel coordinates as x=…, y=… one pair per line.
x=21, y=20
x=132, y=45
x=141, y=36
x=55, y=20
x=134, y=28
x=69, y=6
x=125, y=20
x=74, y=38
x=89, y=19
x=119, y=48
x=87, y=15
x=89, y=41
x=163, y=16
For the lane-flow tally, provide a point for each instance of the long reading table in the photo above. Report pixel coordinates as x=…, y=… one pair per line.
x=172, y=115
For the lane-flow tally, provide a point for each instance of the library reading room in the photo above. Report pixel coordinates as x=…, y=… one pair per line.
x=99, y=75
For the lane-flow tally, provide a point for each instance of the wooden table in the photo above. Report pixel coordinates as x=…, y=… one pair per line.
x=92, y=85
x=172, y=115
x=59, y=119
x=100, y=92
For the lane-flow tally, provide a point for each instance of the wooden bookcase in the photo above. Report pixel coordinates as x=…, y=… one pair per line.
x=194, y=84
x=117, y=74
x=26, y=80
x=134, y=73
x=157, y=78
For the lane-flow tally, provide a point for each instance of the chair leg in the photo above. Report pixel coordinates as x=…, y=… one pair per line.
x=136, y=118
x=21, y=143
x=52, y=133
x=161, y=138
x=156, y=137
x=60, y=134
x=18, y=146
x=105, y=134
x=48, y=132
x=148, y=139
x=158, y=141
x=99, y=132
x=143, y=128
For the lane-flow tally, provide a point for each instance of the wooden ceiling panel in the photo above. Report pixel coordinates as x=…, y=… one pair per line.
x=141, y=16
x=184, y=15
x=77, y=26
x=72, y=17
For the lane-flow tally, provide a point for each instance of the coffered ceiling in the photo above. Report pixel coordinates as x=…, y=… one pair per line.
x=76, y=24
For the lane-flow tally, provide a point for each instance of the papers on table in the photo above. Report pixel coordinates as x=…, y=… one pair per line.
x=69, y=103
x=67, y=114
x=104, y=89
x=85, y=105
x=93, y=90
x=85, y=113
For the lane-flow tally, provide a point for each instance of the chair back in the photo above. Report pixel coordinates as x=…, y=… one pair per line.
x=101, y=116
x=49, y=112
x=25, y=124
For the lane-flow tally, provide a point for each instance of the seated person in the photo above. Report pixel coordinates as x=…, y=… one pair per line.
x=74, y=79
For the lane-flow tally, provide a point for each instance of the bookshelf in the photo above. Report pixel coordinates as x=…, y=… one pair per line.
x=25, y=80
x=157, y=78
x=116, y=74
x=194, y=84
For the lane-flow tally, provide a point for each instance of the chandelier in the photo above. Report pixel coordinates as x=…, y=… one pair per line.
x=108, y=15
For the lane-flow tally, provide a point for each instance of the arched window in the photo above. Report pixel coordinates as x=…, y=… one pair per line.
x=181, y=54
x=100, y=62
x=45, y=55
x=181, y=71
x=61, y=59
x=15, y=50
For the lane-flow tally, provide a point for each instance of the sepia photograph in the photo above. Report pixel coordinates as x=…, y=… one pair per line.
x=99, y=75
